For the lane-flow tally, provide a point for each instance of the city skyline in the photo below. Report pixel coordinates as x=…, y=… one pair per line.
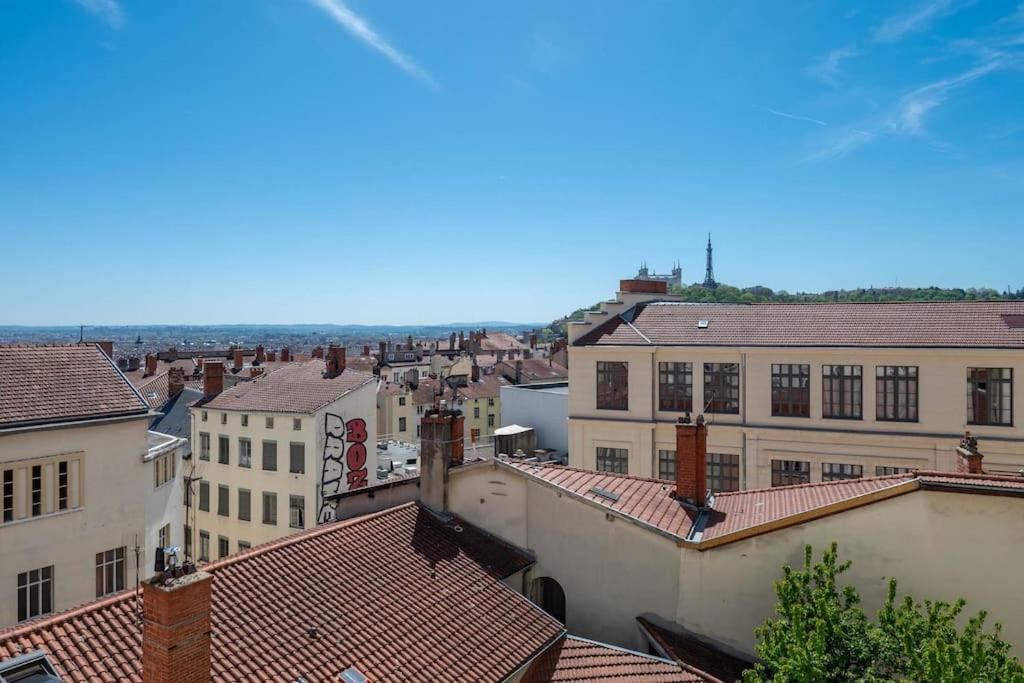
x=320, y=160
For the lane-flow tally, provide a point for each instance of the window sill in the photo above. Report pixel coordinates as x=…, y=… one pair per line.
x=48, y=515
x=990, y=424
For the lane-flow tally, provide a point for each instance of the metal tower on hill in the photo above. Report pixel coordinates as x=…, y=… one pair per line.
x=709, y=272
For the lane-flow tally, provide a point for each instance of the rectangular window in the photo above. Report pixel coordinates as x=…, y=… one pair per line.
x=204, y=546
x=882, y=470
x=223, y=449
x=243, y=545
x=297, y=512
x=188, y=543
x=62, y=485
x=723, y=471
x=417, y=431
x=37, y=490
x=163, y=536
x=269, y=422
x=110, y=572
x=269, y=508
x=245, y=420
x=401, y=400
x=990, y=396
x=667, y=465
x=205, y=416
x=675, y=387
x=223, y=547
x=296, y=423
x=831, y=471
x=722, y=387
x=490, y=402
x=8, y=495
x=401, y=424
x=791, y=390
x=244, y=452
x=474, y=434
x=270, y=456
x=896, y=393
x=204, y=496
x=223, y=418
x=297, y=458
x=244, y=505
x=612, y=385
x=476, y=412
x=787, y=472
x=490, y=420
x=35, y=593
x=223, y=492
x=841, y=392
x=613, y=460
x=204, y=446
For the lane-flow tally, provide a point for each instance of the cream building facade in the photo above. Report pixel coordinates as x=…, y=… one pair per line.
x=86, y=489
x=267, y=451
x=796, y=393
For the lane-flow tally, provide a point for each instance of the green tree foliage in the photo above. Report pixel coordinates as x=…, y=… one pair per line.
x=821, y=634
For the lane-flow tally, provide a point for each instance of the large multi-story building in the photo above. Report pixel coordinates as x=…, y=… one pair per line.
x=266, y=451
x=88, y=492
x=797, y=393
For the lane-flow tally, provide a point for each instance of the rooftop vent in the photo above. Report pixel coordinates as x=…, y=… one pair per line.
x=703, y=324
x=31, y=667
x=604, y=493
x=353, y=675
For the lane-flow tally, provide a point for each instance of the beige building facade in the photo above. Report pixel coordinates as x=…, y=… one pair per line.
x=817, y=407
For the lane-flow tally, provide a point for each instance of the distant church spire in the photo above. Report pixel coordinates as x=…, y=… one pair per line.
x=709, y=272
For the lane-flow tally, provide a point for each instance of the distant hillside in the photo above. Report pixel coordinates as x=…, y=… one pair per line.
x=759, y=294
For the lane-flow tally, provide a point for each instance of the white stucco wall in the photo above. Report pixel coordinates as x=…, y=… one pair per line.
x=165, y=504
x=546, y=410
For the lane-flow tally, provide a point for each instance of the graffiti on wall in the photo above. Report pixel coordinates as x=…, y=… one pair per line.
x=344, y=461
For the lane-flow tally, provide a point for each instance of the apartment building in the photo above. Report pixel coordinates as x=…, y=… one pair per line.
x=267, y=450
x=797, y=393
x=88, y=492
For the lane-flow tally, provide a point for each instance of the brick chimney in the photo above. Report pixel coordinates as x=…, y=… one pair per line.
x=150, y=365
x=271, y=356
x=533, y=341
x=213, y=378
x=107, y=347
x=382, y=350
x=968, y=459
x=644, y=286
x=286, y=355
x=366, y=349
x=261, y=354
x=239, y=359
x=335, y=360
x=176, y=629
x=441, y=447
x=475, y=372
x=691, y=460
x=462, y=340
x=175, y=381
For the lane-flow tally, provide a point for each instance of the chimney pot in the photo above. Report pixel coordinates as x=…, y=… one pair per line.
x=475, y=372
x=175, y=381
x=150, y=365
x=176, y=629
x=261, y=354
x=239, y=359
x=286, y=355
x=691, y=460
x=335, y=360
x=968, y=459
x=213, y=378
x=441, y=447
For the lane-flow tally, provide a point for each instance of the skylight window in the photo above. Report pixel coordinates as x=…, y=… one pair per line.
x=703, y=324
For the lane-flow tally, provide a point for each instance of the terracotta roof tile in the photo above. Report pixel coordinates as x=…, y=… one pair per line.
x=293, y=388
x=534, y=369
x=489, y=386
x=155, y=388
x=978, y=324
x=399, y=594
x=44, y=384
x=579, y=660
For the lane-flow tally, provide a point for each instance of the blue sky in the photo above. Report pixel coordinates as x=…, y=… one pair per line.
x=411, y=162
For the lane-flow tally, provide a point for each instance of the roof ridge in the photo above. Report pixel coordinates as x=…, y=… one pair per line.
x=814, y=484
x=983, y=476
x=665, y=302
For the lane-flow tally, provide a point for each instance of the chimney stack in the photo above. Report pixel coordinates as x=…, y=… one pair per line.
x=462, y=340
x=261, y=354
x=335, y=360
x=318, y=352
x=271, y=356
x=213, y=378
x=691, y=460
x=366, y=349
x=239, y=359
x=441, y=447
x=475, y=372
x=176, y=629
x=175, y=381
x=533, y=341
x=382, y=350
x=150, y=365
x=286, y=355
x=968, y=459
x=107, y=347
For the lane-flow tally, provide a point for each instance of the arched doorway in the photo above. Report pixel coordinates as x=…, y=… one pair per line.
x=548, y=594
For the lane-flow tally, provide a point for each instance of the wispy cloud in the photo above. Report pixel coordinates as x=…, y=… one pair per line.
x=842, y=142
x=826, y=68
x=107, y=10
x=794, y=117
x=360, y=28
x=896, y=27
x=914, y=106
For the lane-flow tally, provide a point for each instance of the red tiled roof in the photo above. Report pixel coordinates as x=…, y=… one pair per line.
x=534, y=369
x=489, y=386
x=138, y=377
x=155, y=388
x=695, y=654
x=579, y=661
x=646, y=500
x=44, y=384
x=739, y=514
x=398, y=594
x=978, y=324
x=497, y=341
x=294, y=388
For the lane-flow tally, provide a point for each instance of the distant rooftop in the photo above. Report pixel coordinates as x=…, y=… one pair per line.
x=293, y=388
